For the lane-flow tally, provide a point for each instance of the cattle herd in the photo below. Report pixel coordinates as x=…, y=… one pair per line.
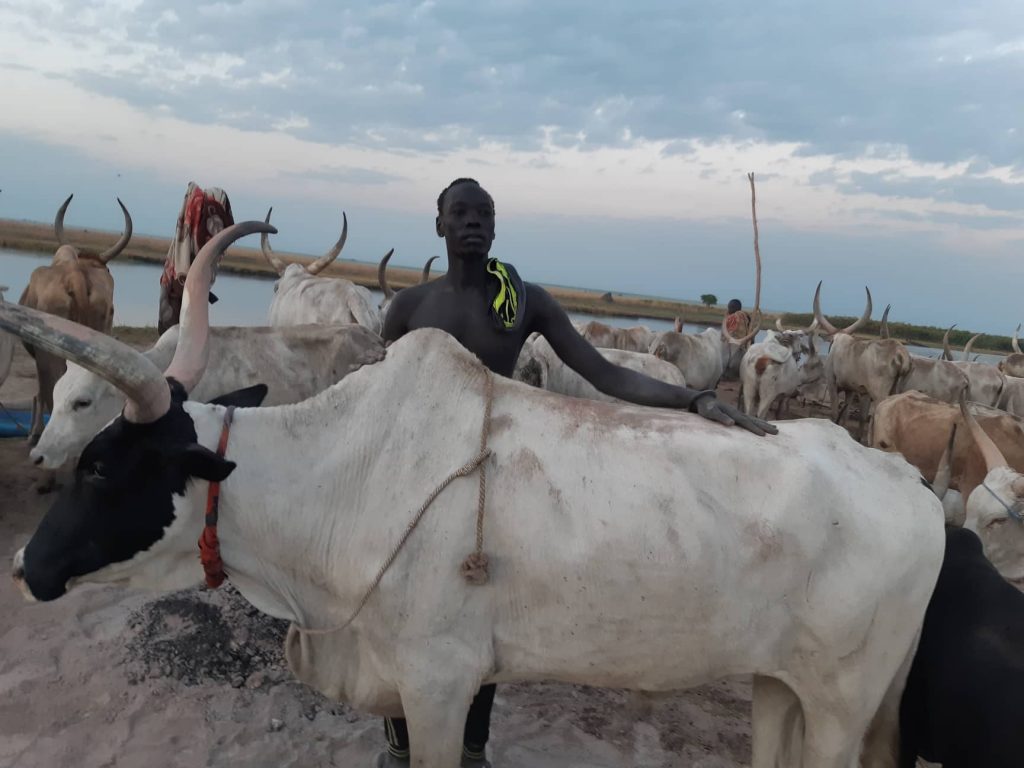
x=869, y=585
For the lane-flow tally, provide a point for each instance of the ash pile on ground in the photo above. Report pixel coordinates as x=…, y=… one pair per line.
x=199, y=636
x=202, y=637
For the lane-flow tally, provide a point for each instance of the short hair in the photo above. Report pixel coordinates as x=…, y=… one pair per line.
x=456, y=183
x=735, y=305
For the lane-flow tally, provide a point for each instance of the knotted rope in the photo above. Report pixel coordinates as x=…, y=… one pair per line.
x=475, y=567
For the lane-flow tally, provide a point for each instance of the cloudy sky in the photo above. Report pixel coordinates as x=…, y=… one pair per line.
x=887, y=138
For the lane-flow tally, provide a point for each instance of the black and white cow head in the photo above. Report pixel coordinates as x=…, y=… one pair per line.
x=126, y=515
x=133, y=511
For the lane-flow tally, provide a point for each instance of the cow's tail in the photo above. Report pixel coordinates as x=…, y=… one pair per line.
x=902, y=365
x=78, y=292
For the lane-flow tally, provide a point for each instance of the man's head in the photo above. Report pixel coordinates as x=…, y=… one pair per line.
x=735, y=305
x=465, y=218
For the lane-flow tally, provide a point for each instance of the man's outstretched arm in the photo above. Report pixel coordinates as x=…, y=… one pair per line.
x=550, y=319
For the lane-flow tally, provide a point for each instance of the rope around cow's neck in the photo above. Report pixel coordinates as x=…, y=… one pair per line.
x=475, y=567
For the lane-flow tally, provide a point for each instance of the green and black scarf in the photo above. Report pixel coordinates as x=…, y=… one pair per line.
x=508, y=295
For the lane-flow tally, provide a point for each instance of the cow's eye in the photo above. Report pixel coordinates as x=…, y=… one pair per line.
x=80, y=404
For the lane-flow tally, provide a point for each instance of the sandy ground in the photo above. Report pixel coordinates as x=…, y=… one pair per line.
x=114, y=677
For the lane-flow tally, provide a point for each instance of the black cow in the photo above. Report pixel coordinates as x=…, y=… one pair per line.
x=962, y=706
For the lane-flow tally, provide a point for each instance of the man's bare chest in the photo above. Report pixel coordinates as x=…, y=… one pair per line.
x=475, y=328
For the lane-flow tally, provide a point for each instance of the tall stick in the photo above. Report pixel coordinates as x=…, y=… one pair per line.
x=757, y=249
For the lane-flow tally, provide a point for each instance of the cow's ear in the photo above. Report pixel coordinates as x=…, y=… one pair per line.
x=250, y=397
x=205, y=464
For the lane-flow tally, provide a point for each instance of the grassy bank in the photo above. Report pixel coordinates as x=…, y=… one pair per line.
x=922, y=335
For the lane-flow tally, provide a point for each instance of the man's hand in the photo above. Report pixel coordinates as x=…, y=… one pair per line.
x=710, y=407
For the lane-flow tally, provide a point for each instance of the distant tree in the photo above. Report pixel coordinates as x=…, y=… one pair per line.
x=709, y=299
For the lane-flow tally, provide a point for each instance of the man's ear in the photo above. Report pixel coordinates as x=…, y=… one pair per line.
x=438, y=226
x=205, y=464
x=250, y=397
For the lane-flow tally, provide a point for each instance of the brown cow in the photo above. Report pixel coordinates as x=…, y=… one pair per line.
x=918, y=427
x=78, y=286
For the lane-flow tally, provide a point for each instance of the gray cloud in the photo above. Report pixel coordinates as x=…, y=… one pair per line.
x=941, y=78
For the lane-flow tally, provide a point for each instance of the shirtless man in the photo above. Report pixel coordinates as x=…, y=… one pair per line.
x=484, y=304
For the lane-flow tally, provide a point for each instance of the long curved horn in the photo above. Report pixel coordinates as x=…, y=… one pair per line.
x=1015, y=341
x=970, y=345
x=320, y=264
x=191, y=354
x=743, y=339
x=149, y=397
x=883, y=325
x=831, y=330
x=426, y=269
x=944, y=472
x=677, y=325
x=58, y=221
x=778, y=325
x=947, y=353
x=382, y=275
x=121, y=244
x=275, y=261
x=989, y=450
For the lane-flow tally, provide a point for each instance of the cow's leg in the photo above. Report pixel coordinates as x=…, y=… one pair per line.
x=36, y=415
x=777, y=722
x=833, y=393
x=882, y=743
x=435, y=713
x=865, y=411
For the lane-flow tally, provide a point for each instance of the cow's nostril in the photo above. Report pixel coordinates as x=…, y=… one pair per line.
x=37, y=460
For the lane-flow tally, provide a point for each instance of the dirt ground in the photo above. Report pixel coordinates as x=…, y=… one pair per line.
x=115, y=677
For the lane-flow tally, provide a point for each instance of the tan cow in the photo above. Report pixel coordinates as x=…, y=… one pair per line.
x=604, y=336
x=918, y=427
x=870, y=368
x=78, y=286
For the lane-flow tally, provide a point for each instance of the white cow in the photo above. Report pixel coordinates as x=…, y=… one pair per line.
x=294, y=362
x=6, y=346
x=936, y=378
x=984, y=382
x=698, y=356
x=1012, y=398
x=540, y=366
x=869, y=368
x=777, y=368
x=995, y=508
x=303, y=298
x=801, y=576
x=1013, y=365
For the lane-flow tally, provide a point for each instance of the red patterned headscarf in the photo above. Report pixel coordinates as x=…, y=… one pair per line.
x=204, y=213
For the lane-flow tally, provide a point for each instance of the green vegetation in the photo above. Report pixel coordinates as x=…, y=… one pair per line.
x=708, y=299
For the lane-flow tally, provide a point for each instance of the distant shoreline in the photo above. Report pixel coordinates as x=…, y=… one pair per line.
x=37, y=237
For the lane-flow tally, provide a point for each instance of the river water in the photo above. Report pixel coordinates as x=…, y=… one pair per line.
x=245, y=300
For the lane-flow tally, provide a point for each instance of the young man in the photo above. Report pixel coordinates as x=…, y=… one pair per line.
x=483, y=303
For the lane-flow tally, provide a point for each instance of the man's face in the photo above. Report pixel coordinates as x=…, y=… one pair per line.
x=467, y=220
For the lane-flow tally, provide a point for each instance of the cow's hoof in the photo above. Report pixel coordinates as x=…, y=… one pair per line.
x=386, y=760
x=474, y=762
